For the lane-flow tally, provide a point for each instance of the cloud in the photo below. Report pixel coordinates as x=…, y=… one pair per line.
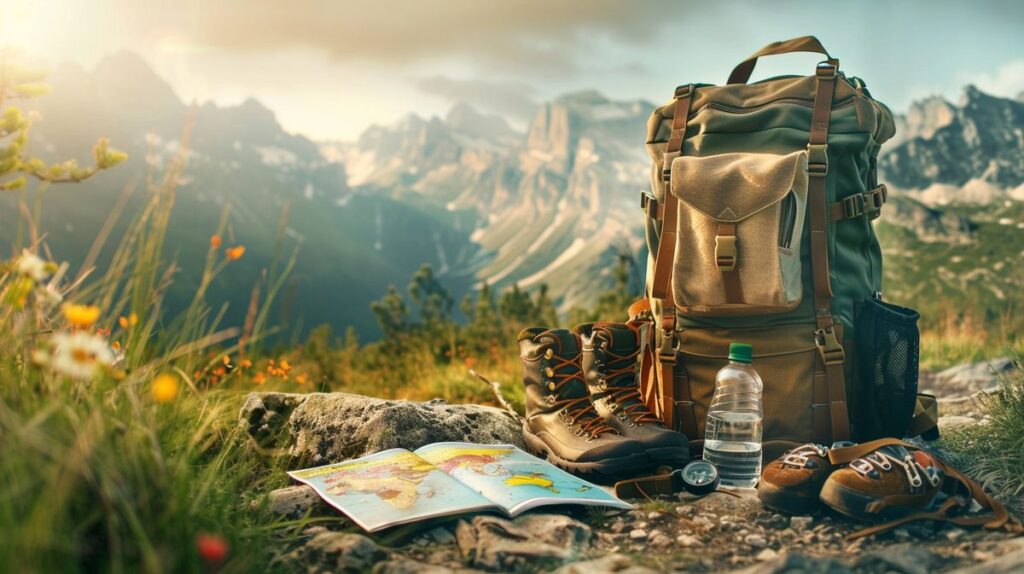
x=1007, y=81
x=514, y=100
x=543, y=36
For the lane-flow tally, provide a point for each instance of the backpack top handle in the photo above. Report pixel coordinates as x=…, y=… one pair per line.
x=741, y=73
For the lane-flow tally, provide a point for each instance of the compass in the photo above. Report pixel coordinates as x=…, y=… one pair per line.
x=700, y=477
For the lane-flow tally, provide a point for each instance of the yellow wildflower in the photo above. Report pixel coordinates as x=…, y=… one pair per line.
x=129, y=321
x=235, y=253
x=82, y=316
x=165, y=388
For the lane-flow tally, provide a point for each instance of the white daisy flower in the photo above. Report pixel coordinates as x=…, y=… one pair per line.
x=31, y=265
x=79, y=355
x=48, y=297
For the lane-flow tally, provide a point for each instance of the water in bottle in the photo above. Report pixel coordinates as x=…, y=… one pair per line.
x=732, y=436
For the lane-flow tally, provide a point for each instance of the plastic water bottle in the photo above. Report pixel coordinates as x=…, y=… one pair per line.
x=732, y=436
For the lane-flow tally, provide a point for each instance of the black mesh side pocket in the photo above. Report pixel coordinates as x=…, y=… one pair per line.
x=888, y=352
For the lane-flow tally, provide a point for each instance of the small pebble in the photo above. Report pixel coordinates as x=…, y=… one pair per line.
x=756, y=540
x=800, y=523
x=658, y=539
x=687, y=540
x=766, y=555
x=653, y=515
x=638, y=534
x=953, y=534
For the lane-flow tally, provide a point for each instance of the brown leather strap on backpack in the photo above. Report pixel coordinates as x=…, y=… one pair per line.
x=666, y=367
x=830, y=348
x=741, y=73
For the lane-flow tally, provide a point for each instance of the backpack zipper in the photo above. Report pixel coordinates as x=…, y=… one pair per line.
x=790, y=101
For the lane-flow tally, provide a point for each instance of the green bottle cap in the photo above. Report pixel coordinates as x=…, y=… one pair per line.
x=740, y=352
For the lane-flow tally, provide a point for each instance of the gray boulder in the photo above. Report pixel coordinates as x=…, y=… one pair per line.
x=322, y=428
x=967, y=379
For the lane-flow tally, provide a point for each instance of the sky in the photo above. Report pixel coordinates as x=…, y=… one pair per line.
x=330, y=68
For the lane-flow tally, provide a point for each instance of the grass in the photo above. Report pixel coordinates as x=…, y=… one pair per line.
x=102, y=471
x=994, y=450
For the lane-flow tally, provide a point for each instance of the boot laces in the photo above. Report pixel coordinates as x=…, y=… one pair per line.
x=624, y=390
x=579, y=410
x=885, y=460
x=799, y=456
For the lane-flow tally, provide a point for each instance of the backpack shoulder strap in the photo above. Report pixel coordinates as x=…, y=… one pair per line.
x=830, y=347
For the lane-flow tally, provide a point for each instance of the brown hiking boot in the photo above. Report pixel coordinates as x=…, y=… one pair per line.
x=888, y=482
x=792, y=483
x=561, y=422
x=609, y=365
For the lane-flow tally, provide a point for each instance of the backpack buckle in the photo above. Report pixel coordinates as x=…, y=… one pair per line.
x=829, y=348
x=725, y=252
x=817, y=159
x=853, y=206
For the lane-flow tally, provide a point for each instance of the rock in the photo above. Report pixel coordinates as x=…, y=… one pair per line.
x=798, y=563
x=658, y=539
x=407, y=566
x=955, y=422
x=1010, y=560
x=331, y=551
x=613, y=563
x=638, y=534
x=766, y=555
x=800, y=523
x=295, y=501
x=904, y=558
x=495, y=543
x=755, y=540
x=321, y=428
x=687, y=540
x=965, y=380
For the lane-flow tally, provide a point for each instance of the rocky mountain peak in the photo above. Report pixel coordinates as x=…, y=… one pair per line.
x=974, y=144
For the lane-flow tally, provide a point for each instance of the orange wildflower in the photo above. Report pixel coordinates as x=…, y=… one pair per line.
x=302, y=378
x=81, y=316
x=129, y=321
x=235, y=253
x=165, y=388
x=215, y=242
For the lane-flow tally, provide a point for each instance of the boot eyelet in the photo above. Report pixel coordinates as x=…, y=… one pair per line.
x=549, y=372
x=551, y=385
x=550, y=399
x=549, y=354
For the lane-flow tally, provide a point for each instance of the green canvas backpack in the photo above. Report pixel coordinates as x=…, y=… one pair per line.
x=759, y=228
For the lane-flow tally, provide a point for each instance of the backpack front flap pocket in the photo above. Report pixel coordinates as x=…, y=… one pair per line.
x=741, y=219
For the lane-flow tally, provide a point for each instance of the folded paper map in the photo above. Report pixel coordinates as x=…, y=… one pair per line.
x=398, y=486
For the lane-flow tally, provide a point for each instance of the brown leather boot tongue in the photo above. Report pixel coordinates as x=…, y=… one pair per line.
x=621, y=339
x=565, y=345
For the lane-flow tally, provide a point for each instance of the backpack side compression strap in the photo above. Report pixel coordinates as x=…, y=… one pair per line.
x=830, y=348
x=675, y=391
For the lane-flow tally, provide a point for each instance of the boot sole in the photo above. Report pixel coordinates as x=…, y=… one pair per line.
x=604, y=471
x=674, y=457
x=778, y=499
x=854, y=504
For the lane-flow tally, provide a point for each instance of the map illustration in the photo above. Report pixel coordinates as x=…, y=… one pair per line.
x=398, y=486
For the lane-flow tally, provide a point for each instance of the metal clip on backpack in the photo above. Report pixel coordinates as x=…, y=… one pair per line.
x=759, y=230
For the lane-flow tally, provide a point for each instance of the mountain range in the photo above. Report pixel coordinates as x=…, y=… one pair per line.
x=482, y=202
